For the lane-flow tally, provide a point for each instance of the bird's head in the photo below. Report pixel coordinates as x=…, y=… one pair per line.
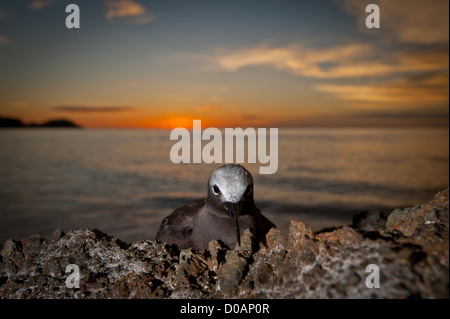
x=231, y=186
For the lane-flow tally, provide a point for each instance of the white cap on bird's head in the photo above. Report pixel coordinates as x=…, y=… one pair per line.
x=231, y=184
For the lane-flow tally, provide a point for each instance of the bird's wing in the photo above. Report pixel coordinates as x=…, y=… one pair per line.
x=264, y=225
x=177, y=227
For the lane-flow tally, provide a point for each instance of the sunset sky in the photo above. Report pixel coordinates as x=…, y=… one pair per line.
x=161, y=64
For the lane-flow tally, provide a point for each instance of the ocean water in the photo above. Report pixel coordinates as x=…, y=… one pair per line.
x=124, y=183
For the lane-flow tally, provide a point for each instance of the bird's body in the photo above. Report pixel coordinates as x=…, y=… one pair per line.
x=224, y=215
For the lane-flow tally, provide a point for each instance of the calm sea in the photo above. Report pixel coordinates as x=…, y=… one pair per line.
x=123, y=182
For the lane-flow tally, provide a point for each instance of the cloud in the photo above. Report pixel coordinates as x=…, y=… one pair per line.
x=407, y=21
x=416, y=75
x=127, y=11
x=299, y=60
x=408, y=91
x=403, y=114
x=397, y=118
x=405, y=63
x=37, y=5
x=4, y=40
x=94, y=109
x=344, y=61
x=414, y=21
x=4, y=14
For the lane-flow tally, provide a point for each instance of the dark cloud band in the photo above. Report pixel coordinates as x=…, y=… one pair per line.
x=94, y=109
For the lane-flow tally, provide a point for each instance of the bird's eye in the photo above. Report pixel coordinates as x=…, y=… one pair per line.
x=248, y=190
x=216, y=190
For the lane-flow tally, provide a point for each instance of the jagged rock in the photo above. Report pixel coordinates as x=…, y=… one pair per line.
x=218, y=252
x=422, y=224
x=232, y=272
x=410, y=247
x=403, y=221
x=369, y=222
x=108, y=267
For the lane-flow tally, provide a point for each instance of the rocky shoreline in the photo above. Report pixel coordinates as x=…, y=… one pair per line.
x=409, y=246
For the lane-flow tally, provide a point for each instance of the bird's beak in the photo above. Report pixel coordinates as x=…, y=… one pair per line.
x=235, y=210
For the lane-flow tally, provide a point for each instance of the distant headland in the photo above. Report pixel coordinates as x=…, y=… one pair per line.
x=16, y=123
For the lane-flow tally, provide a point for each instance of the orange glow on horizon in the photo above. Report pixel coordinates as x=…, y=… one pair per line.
x=168, y=122
x=172, y=122
x=355, y=116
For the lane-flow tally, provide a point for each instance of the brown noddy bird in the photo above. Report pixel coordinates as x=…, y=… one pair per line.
x=228, y=210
